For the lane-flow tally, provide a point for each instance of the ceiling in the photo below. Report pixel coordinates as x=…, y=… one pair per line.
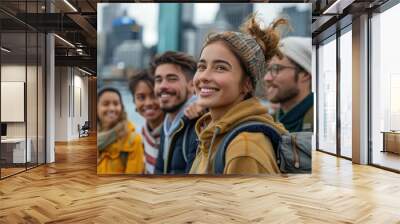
x=76, y=22
x=330, y=15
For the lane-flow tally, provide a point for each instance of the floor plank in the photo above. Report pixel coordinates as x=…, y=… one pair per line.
x=69, y=191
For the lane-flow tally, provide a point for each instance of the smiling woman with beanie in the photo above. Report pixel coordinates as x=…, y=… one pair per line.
x=230, y=65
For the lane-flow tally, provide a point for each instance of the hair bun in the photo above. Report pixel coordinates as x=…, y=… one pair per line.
x=267, y=38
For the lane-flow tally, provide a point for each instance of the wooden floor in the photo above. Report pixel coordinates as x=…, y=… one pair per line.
x=5, y=172
x=69, y=191
x=10, y=171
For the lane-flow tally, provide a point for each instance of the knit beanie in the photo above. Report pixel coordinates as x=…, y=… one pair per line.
x=248, y=49
x=299, y=50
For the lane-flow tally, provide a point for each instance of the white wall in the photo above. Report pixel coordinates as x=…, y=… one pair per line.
x=61, y=103
x=70, y=83
x=12, y=73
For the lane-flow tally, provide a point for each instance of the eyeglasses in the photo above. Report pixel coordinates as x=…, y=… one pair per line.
x=274, y=69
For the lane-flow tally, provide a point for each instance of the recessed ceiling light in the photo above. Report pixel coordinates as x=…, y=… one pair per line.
x=5, y=50
x=70, y=5
x=64, y=40
x=335, y=7
x=84, y=71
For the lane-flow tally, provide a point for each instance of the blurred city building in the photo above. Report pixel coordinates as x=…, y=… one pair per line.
x=121, y=39
x=109, y=13
x=233, y=14
x=122, y=44
x=299, y=20
x=123, y=29
x=170, y=25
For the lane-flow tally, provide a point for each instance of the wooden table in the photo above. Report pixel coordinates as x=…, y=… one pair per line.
x=391, y=141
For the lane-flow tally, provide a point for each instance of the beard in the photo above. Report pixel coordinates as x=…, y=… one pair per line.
x=174, y=108
x=177, y=106
x=286, y=95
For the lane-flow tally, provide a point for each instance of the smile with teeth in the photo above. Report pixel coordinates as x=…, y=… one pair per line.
x=111, y=114
x=165, y=95
x=149, y=110
x=208, y=90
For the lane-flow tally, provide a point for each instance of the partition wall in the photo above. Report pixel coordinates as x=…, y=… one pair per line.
x=23, y=91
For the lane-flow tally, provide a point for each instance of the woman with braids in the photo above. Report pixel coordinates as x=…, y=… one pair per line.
x=230, y=65
x=120, y=147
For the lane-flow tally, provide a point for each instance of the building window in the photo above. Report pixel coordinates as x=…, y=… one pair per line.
x=346, y=93
x=327, y=95
x=385, y=89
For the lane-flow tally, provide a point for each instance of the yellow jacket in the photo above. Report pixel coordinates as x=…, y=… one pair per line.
x=248, y=153
x=113, y=161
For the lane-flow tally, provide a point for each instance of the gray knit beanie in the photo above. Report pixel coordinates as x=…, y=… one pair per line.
x=299, y=50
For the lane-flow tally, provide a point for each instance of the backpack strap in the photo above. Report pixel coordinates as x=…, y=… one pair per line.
x=184, y=144
x=247, y=126
x=124, y=157
x=309, y=119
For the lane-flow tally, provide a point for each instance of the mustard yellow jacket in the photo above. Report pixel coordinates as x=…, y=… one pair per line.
x=248, y=153
x=124, y=156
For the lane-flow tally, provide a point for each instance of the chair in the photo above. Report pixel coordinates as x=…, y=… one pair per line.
x=84, y=130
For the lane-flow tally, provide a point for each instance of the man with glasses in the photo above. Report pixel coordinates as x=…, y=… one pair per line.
x=288, y=82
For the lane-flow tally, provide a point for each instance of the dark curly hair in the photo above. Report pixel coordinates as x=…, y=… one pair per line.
x=141, y=76
x=186, y=62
